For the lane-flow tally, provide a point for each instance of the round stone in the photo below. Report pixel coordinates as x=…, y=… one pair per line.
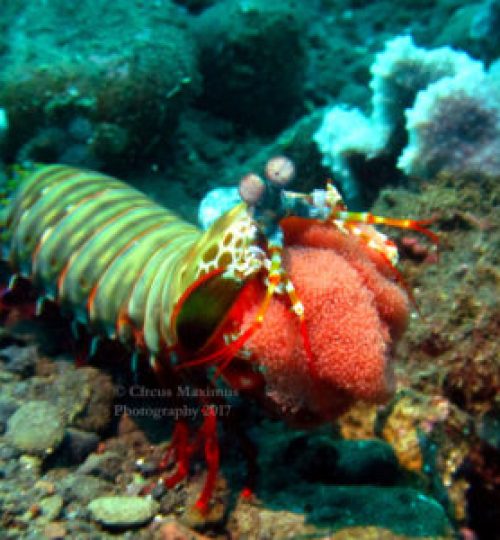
x=36, y=428
x=123, y=512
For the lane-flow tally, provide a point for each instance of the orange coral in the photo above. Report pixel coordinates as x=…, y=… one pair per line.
x=353, y=312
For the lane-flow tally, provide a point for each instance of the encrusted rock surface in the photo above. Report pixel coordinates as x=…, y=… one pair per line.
x=123, y=512
x=36, y=428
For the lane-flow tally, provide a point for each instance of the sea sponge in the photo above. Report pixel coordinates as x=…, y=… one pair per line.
x=346, y=133
x=454, y=125
x=354, y=312
x=439, y=99
x=402, y=70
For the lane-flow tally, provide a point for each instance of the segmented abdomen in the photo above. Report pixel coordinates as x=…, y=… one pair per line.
x=101, y=248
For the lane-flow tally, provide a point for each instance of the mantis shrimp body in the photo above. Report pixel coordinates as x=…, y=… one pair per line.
x=134, y=271
x=117, y=260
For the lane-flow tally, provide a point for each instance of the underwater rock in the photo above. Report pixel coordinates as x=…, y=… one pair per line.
x=365, y=462
x=62, y=87
x=8, y=407
x=50, y=507
x=19, y=360
x=322, y=459
x=357, y=512
x=253, y=523
x=83, y=488
x=243, y=45
x=77, y=445
x=94, y=412
x=36, y=428
x=83, y=396
x=397, y=508
x=123, y=512
x=105, y=466
x=55, y=531
x=338, y=483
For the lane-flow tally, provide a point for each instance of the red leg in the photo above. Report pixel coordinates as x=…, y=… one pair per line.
x=212, y=456
x=179, y=448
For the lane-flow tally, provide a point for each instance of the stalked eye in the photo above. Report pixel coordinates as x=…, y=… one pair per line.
x=252, y=189
x=280, y=171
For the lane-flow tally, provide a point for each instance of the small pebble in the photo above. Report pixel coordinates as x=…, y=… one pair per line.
x=46, y=487
x=55, y=531
x=19, y=360
x=105, y=466
x=83, y=488
x=8, y=407
x=36, y=428
x=123, y=512
x=51, y=507
x=79, y=444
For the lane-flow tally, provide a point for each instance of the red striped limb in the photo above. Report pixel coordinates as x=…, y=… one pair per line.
x=419, y=225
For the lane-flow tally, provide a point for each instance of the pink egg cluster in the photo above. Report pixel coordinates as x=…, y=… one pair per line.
x=353, y=312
